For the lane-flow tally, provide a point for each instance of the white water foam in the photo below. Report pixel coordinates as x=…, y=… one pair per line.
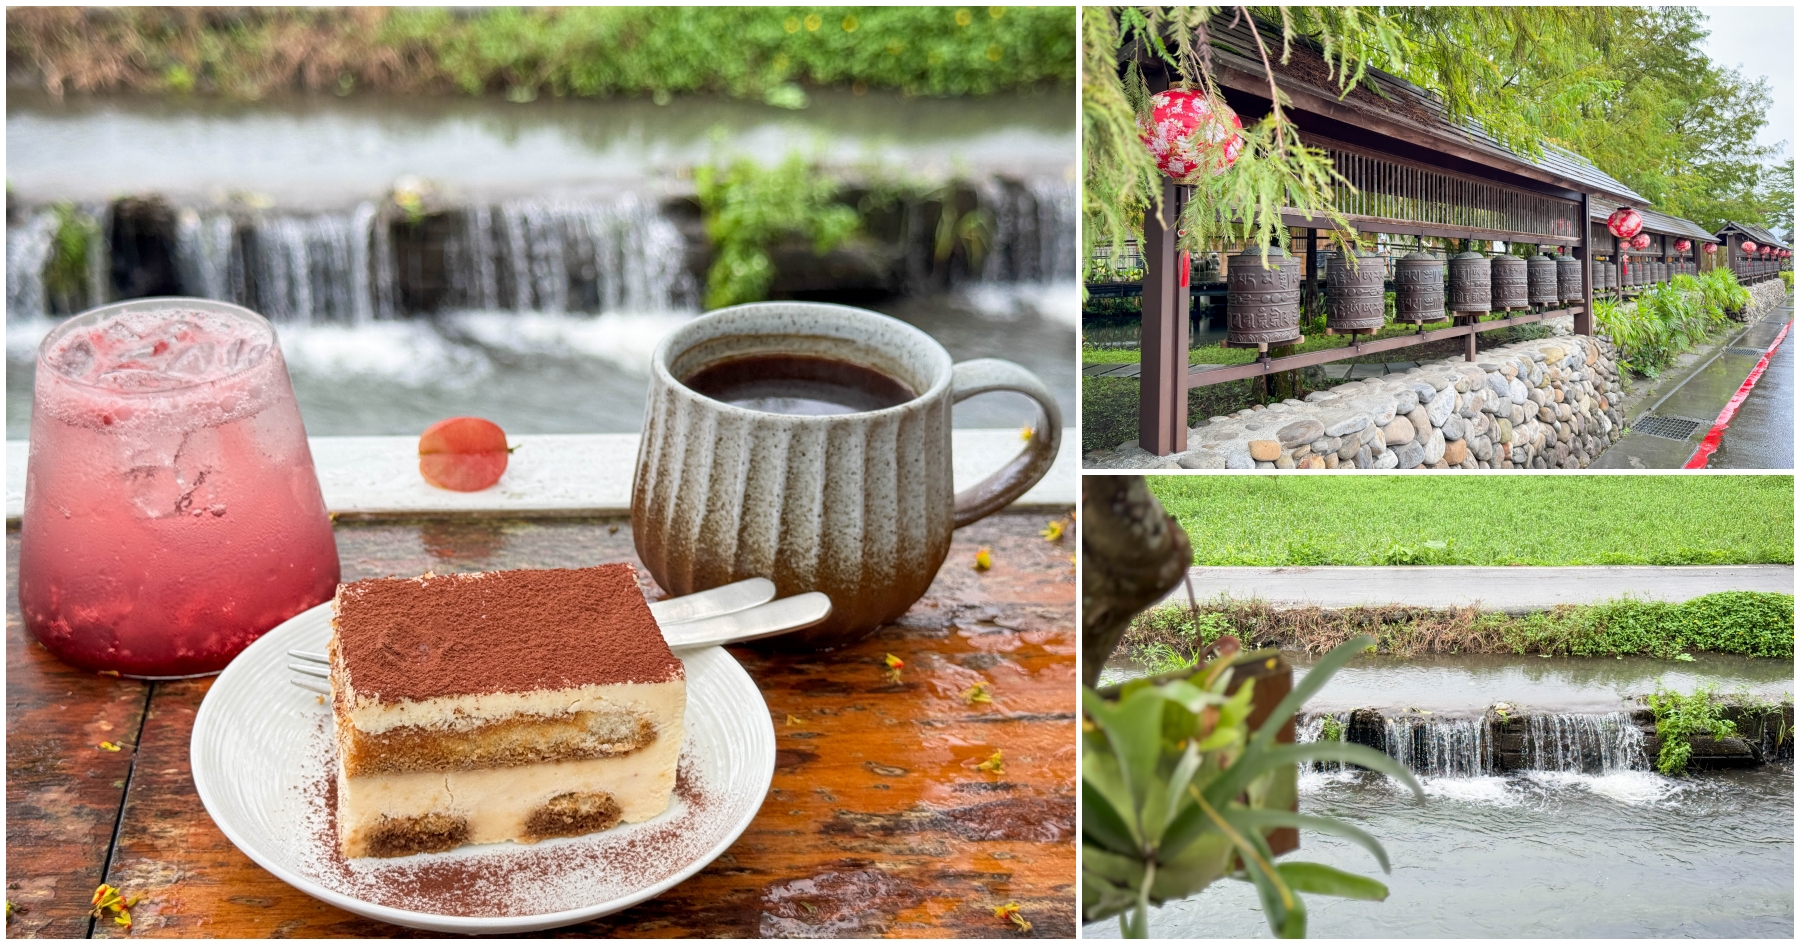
x=1631, y=788
x=627, y=340
x=410, y=353
x=1011, y=301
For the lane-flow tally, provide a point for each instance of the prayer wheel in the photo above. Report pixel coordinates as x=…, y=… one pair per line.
x=1355, y=297
x=1262, y=306
x=1568, y=278
x=1508, y=279
x=1542, y=271
x=1419, y=288
x=1471, y=289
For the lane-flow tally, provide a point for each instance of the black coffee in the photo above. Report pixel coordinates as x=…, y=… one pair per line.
x=799, y=385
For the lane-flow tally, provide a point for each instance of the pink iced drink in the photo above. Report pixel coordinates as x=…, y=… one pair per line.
x=172, y=514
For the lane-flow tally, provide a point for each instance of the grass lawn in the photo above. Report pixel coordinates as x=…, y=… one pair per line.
x=1543, y=519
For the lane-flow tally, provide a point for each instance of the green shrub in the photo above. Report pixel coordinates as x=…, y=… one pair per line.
x=1679, y=718
x=749, y=209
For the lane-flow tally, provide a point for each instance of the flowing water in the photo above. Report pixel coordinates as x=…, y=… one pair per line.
x=1548, y=854
x=556, y=269
x=1567, y=833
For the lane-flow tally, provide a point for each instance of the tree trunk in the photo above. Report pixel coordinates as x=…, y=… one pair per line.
x=1132, y=553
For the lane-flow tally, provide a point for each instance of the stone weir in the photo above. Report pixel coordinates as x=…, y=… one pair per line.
x=1548, y=403
x=1503, y=740
x=404, y=255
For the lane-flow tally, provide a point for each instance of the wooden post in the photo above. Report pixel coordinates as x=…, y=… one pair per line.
x=1163, y=344
x=1584, y=319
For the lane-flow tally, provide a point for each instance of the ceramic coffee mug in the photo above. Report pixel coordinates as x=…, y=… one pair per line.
x=857, y=505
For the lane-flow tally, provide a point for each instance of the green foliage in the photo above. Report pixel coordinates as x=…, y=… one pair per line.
x=1330, y=729
x=1742, y=623
x=1177, y=793
x=1679, y=718
x=1274, y=170
x=66, y=274
x=1787, y=279
x=1487, y=520
x=749, y=209
x=1424, y=552
x=1671, y=318
x=1739, y=623
x=748, y=52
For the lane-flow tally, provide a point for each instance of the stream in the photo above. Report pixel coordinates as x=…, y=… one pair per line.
x=536, y=297
x=1560, y=829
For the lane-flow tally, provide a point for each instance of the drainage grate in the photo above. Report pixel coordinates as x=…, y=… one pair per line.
x=1753, y=352
x=1669, y=428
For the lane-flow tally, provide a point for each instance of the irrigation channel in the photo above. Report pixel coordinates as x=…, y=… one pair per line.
x=559, y=240
x=1544, y=816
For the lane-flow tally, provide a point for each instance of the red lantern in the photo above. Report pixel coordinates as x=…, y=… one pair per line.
x=1625, y=223
x=1190, y=135
x=1749, y=247
x=1641, y=241
x=1682, y=246
x=1711, y=248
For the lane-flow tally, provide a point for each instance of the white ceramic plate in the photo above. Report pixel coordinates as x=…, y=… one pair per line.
x=262, y=763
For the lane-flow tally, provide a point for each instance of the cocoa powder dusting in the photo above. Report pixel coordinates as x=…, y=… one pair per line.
x=499, y=631
x=508, y=879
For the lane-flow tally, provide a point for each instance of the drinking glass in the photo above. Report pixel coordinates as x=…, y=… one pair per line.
x=172, y=514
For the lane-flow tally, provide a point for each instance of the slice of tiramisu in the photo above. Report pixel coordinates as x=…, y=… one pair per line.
x=509, y=705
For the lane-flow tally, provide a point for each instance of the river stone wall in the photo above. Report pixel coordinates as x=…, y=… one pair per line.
x=1548, y=403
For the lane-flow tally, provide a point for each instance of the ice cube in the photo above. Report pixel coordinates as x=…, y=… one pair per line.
x=76, y=359
x=193, y=361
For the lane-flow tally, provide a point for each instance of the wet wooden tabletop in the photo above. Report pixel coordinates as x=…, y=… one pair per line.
x=879, y=821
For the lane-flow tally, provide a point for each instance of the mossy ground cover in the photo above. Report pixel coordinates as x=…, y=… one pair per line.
x=1741, y=623
x=1272, y=521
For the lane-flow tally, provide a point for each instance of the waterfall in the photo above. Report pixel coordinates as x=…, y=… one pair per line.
x=307, y=267
x=1056, y=208
x=28, y=248
x=1034, y=230
x=1310, y=727
x=1577, y=744
x=559, y=256
x=203, y=249
x=1441, y=747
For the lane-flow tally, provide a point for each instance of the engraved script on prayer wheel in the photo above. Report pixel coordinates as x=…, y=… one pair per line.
x=1542, y=269
x=1568, y=278
x=1471, y=291
x=1262, y=306
x=1419, y=288
x=1355, y=297
x=1507, y=277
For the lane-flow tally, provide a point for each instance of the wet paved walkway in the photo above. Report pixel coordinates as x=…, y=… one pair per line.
x=1761, y=435
x=1510, y=589
x=1764, y=441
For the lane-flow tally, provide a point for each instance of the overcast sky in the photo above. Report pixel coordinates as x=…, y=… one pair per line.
x=1759, y=41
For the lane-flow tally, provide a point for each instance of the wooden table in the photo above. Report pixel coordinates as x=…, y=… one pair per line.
x=878, y=822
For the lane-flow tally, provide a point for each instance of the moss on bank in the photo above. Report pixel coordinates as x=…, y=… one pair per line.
x=1741, y=623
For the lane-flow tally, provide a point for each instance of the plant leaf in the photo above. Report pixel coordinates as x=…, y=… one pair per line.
x=1329, y=881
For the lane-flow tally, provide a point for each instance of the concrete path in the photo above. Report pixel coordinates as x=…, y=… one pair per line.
x=1513, y=590
x=1698, y=397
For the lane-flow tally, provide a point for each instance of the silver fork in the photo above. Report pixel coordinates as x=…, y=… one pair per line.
x=733, y=613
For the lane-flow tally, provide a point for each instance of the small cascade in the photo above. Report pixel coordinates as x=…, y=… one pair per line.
x=203, y=255
x=563, y=256
x=1584, y=744
x=314, y=268
x=1459, y=748
x=28, y=249
x=1034, y=230
x=1311, y=727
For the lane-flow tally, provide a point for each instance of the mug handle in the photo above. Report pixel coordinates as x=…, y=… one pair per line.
x=997, y=491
